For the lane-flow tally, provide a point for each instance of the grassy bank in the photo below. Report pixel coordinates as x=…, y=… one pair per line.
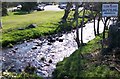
x=23, y=75
x=89, y=67
x=46, y=21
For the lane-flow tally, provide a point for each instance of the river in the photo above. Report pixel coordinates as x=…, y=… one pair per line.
x=42, y=54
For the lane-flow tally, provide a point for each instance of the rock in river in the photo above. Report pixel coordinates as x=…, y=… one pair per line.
x=34, y=48
x=60, y=40
x=50, y=61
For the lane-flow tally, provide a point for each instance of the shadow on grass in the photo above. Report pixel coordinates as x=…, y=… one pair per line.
x=64, y=27
x=20, y=13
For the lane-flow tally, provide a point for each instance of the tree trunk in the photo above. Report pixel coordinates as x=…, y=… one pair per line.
x=94, y=28
x=107, y=23
x=77, y=29
x=67, y=11
x=98, y=23
x=82, y=27
x=105, y=27
x=104, y=31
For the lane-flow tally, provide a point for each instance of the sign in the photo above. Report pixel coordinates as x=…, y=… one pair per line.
x=109, y=10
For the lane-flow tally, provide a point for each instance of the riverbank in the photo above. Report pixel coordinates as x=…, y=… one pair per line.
x=89, y=67
x=15, y=25
x=19, y=26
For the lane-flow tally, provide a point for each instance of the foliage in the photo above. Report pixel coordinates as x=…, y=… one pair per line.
x=4, y=9
x=28, y=6
x=12, y=4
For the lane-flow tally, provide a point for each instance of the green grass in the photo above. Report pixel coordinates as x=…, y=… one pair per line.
x=47, y=22
x=42, y=19
x=75, y=67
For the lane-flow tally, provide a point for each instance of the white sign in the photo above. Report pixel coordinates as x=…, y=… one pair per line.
x=109, y=10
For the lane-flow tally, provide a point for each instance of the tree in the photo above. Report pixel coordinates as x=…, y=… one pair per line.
x=105, y=25
x=4, y=9
x=82, y=26
x=96, y=7
x=94, y=26
x=94, y=18
x=98, y=22
x=77, y=29
x=12, y=4
x=28, y=6
x=67, y=11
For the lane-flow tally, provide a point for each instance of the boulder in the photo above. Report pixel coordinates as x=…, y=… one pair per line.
x=16, y=48
x=57, y=39
x=32, y=26
x=60, y=40
x=49, y=43
x=51, y=39
x=39, y=44
x=60, y=35
x=19, y=70
x=50, y=61
x=14, y=51
x=34, y=47
x=12, y=69
x=3, y=70
x=114, y=35
x=20, y=28
x=42, y=59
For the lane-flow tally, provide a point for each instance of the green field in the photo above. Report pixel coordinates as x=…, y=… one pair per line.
x=47, y=22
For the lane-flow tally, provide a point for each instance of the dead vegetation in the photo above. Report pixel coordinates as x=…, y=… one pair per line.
x=112, y=60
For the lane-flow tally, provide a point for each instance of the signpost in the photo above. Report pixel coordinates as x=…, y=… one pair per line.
x=109, y=10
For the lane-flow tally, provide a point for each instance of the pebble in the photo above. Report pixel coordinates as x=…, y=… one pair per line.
x=34, y=48
x=16, y=48
x=49, y=44
x=14, y=51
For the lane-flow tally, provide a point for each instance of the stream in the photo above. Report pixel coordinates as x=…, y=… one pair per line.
x=43, y=53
